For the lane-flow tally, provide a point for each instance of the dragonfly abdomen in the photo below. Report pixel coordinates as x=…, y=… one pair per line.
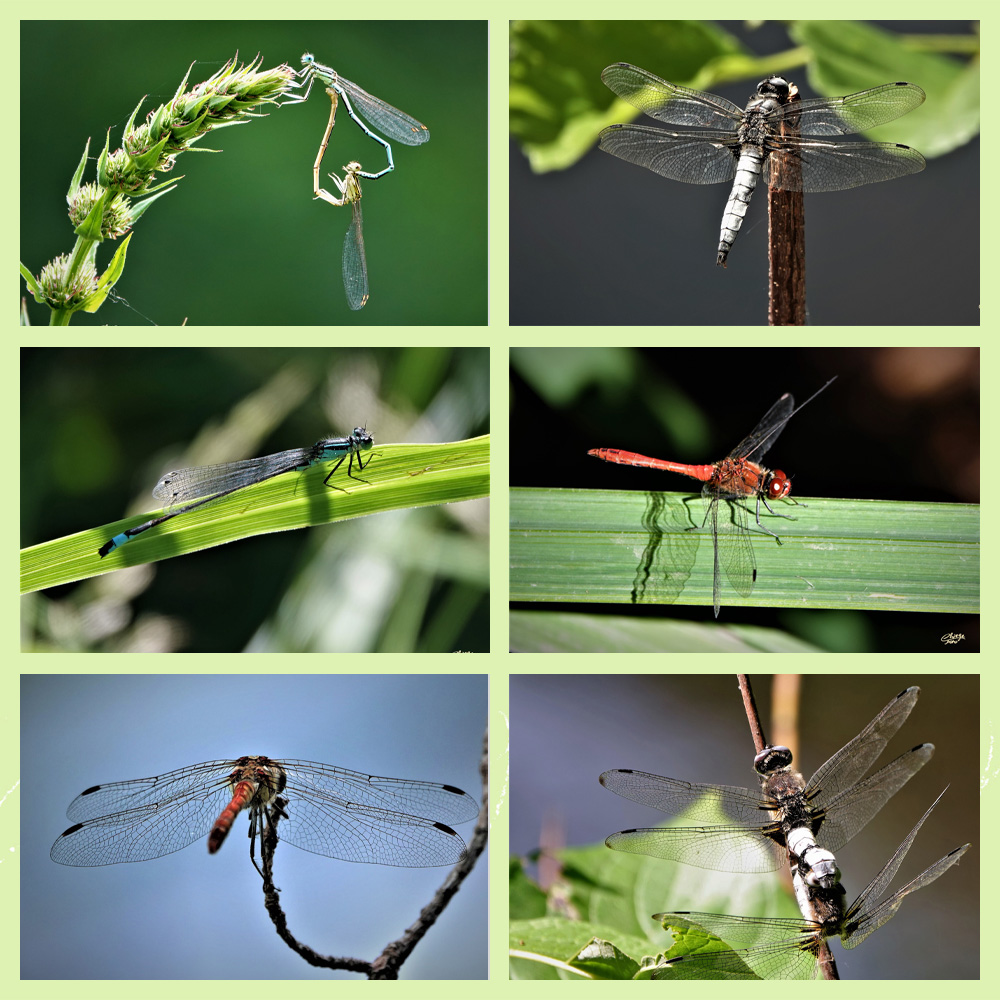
x=747, y=172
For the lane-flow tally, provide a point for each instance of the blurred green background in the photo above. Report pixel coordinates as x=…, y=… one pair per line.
x=99, y=427
x=241, y=240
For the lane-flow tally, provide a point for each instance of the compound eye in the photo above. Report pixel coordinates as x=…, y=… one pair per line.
x=772, y=759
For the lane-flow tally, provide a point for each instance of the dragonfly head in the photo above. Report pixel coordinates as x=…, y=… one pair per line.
x=308, y=59
x=777, y=87
x=772, y=759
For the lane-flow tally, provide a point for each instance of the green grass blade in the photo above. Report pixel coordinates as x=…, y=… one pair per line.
x=590, y=546
x=400, y=475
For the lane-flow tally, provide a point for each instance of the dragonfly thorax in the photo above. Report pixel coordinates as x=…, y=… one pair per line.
x=266, y=775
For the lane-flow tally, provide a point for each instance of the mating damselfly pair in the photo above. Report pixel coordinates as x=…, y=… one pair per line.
x=392, y=122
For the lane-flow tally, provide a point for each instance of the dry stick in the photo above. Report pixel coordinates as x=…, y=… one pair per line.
x=268, y=842
x=828, y=967
x=387, y=964
x=786, y=234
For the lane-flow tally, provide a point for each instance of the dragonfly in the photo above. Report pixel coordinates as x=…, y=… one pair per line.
x=737, y=477
x=326, y=810
x=769, y=136
x=831, y=807
x=396, y=124
x=788, y=948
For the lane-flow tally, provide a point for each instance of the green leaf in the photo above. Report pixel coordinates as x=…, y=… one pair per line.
x=600, y=921
x=558, y=103
x=107, y=281
x=592, y=546
x=848, y=56
x=398, y=476
x=526, y=899
x=32, y=283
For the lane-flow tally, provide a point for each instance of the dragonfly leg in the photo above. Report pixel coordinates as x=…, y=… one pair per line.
x=304, y=76
x=370, y=134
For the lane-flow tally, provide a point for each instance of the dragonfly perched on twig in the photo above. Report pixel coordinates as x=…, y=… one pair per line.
x=787, y=948
x=830, y=808
x=789, y=143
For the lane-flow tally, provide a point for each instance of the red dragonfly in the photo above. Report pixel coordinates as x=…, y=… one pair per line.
x=326, y=810
x=735, y=478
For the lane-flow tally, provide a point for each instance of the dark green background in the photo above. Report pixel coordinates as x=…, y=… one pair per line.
x=241, y=240
x=99, y=425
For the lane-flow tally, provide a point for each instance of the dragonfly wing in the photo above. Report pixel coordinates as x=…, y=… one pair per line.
x=355, y=266
x=147, y=818
x=396, y=124
x=735, y=548
x=858, y=927
x=860, y=915
x=690, y=157
x=423, y=798
x=851, y=811
x=698, y=801
x=774, y=948
x=668, y=102
x=854, y=113
x=387, y=821
x=756, y=443
x=813, y=166
x=851, y=761
x=714, y=848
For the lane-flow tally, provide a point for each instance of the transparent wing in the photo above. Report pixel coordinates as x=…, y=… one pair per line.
x=670, y=796
x=126, y=821
x=811, y=166
x=756, y=443
x=424, y=798
x=330, y=811
x=851, y=811
x=854, y=113
x=355, y=266
x=853, y=759
x=775, y=948
x=357, y=817
x=690, y=157
x=396, y=124
x=871, y=920
x=670, y=103
x=200, y=481
x=742, y=846
x=865, y=915
x=734, y=547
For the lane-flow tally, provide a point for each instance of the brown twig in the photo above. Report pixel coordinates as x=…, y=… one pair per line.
x=786, y=216
x=387, y=964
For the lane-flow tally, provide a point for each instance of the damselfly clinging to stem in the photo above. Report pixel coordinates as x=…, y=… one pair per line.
x=397, y=125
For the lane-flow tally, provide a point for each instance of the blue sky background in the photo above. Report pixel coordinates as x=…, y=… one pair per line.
x=192, y=916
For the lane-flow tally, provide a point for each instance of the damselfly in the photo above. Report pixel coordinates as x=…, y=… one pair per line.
x=397, y=125
x=355, y=266
x=221, y=480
